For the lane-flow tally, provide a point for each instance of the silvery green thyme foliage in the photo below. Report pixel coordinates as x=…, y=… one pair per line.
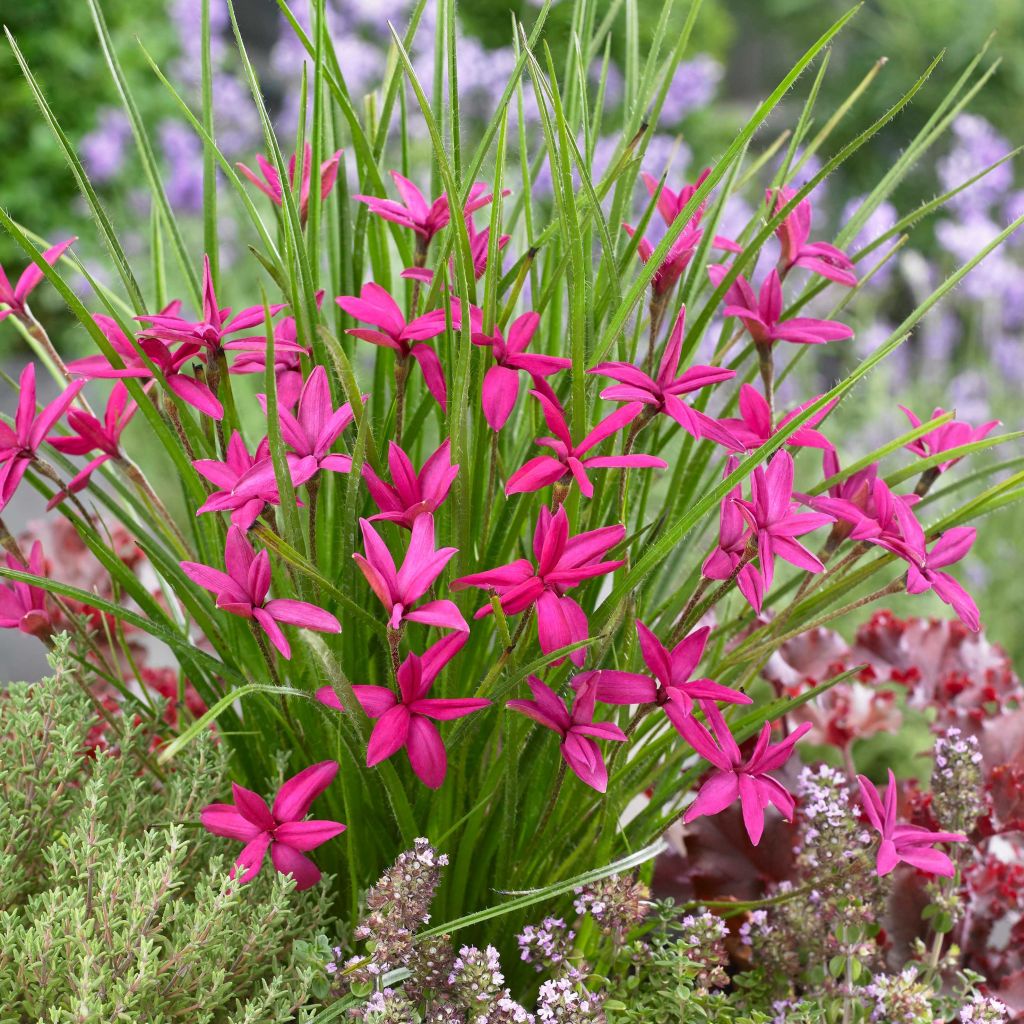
x=113, y=907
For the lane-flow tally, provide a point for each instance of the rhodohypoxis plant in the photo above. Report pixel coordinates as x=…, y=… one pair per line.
x=243, y=589
x=290, y=508
x=900, y=842
x=735, y=778
x=406, y=719
x=282, y=829
x=576, y=726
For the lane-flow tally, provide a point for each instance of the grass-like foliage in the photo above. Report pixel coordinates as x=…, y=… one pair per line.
x=563, y=639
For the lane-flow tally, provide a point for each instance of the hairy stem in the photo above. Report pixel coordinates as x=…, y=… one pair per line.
x=401, y=376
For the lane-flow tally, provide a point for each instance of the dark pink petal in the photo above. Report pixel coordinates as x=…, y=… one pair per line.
x=500, y=391
x=614, y=687
x=288, y=861
x=374, y=700
x=250, y=860
x=199, y=396
x=502, y=576
x=32, y=275
x=888, y=858
x=252, y=806
x=426, y=752
x=535, y=474
x=389, y=735
x=655, y=655
x=307, y=835
x=298, y=793
x=226, y=820
x=549, y=703
x=871, y=802
x=721, y=790
x=750, y=803
x=935, y=862
x=301, y=613
x=442, y=614
x=212, y=579
x=433, y=374
x=700, y=739
x=327, y=696
x=952, y=546
x=610, y=425
x=601, y=731
x=443, y=709
x=583, y=756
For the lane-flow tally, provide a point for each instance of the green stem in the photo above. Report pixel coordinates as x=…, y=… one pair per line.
x=766, y=364
x=559, y=779
x=693, y=614
x=401, y=376
x=313, y=492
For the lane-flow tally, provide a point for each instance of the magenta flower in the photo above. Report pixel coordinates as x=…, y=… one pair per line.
x=671, y=205
x=669, y=684
x=774, y=521
x=479, y=244
x=14, y=298
x=91, y=435
x=135, y=353
x=761, y=314
x=754, y=425
x=208, y=334
x=501, y=381
x=315, y=426
x=405, y=720
x=924, y=566
x=869, y=510
x=243, y=589
x=412, y=493
x=662, y=392
x=910, y=844
x=949, y=435
x=576, y=726
x=793, y=234
x=414, y=212
x=246, y=483
x=18, y=447
x=563, y=562
x=733, y=778
x=733, y=540
x=376, y=306
x=23, y=606
x=676, y=260
x=400, y=589
x=288, y=356
x=281, y=828
x=570, y=459
x=270, y=183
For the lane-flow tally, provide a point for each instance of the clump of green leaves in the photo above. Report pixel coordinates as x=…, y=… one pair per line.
x=114, y=908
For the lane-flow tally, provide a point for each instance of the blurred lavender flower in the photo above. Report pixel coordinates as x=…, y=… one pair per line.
x=879, y=221
x=183, y=153
x=185, y=16
x=103, y=149
x=614, y=84
x=693, y=85
x=976, y=145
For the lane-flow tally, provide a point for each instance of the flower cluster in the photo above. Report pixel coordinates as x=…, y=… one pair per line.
x=398, y=906
x=618, y=904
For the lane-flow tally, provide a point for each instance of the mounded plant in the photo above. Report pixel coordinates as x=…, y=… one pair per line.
x=376, y=588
